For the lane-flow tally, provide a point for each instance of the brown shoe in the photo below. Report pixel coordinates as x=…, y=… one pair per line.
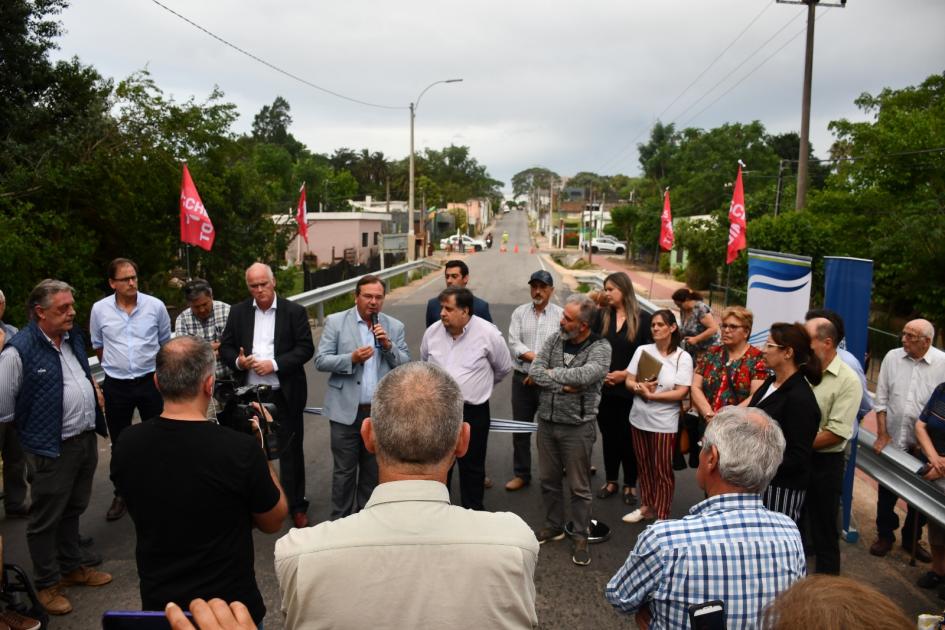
x=54, y=601
x=921, y=553
x=515, y=483
x=117, y=509
x=881, y=547
x=16, y=621
x=84, y=576
x=487, y=483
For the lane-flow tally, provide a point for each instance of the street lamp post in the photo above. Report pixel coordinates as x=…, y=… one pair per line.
x=411, y=239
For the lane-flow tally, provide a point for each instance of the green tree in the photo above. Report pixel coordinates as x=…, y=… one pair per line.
x=893, y=192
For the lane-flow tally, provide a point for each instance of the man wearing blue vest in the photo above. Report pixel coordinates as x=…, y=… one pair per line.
x=47, y=389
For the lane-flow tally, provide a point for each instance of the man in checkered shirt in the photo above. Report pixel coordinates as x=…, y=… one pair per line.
x=206, y=319
x=729, y=547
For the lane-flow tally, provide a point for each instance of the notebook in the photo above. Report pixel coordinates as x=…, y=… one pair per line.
x=649, y=367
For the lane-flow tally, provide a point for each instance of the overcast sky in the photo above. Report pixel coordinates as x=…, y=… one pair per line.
x=570, y=86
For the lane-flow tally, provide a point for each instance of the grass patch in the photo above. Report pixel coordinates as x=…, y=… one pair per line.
x=583, y=287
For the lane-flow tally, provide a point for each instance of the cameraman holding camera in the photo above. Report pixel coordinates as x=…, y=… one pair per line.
x=188, y=482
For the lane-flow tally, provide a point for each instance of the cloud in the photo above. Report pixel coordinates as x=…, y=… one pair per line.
x=571, y=86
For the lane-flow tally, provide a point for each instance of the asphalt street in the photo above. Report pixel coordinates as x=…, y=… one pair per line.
x=568, y=596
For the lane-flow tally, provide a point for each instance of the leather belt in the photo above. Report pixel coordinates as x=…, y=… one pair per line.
x=365, y=409
x=138, y=379
x=78, y=436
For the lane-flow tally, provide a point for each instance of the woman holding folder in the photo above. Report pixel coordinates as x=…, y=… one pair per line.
x=659, y=375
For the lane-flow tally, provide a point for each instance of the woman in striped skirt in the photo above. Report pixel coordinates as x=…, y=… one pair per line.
x=788, y=398
x=654, y=417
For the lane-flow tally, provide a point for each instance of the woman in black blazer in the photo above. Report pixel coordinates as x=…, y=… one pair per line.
x=787, y=397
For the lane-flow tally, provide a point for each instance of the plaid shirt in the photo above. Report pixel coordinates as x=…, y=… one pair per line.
x=729, y=548
x=211, y=330
x=528, y=331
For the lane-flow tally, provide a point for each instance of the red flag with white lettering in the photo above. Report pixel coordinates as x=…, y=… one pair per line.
x=301, y=215
x=666, y=225
x=736, y=220
x=195, y=225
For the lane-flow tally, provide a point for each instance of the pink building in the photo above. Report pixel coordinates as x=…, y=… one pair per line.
x=333, y=236
x=477, y=213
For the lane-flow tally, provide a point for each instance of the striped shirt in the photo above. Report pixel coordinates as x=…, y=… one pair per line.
x=78, y=397
x=529, y=330
x=210, y=329
x=729, y=548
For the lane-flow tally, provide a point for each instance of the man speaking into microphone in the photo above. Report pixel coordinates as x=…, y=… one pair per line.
x=357, y=347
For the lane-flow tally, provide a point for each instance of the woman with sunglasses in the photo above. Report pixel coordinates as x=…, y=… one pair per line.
x=654, y=417
x=788, y=398
x=728, y=374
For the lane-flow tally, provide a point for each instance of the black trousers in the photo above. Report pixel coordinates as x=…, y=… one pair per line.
x=887, y=521
x=292, y=458
x=472, y=466
x=822, y=507
x=122, y=397
x=613, y=420
x=524, y=406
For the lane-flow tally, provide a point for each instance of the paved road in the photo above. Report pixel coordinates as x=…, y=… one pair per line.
x=568, y=596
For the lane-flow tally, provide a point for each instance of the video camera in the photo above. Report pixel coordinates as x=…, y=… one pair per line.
x=238, y=412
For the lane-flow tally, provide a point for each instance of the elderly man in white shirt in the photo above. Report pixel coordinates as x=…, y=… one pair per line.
x=473, y=352
x=907, y=378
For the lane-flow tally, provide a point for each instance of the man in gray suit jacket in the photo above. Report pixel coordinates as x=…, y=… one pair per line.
x=358, y=347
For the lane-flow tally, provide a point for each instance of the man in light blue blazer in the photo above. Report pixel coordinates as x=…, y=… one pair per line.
x=358, y=347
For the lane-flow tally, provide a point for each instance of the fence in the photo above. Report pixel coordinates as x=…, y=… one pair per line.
x=314, y=279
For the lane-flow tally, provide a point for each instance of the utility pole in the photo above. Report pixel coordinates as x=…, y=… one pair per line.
x=804, y=149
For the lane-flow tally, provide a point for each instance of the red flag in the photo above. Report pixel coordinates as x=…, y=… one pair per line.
x=301, y=215
x=666, y=229
x=736, y=220
x=195, y=225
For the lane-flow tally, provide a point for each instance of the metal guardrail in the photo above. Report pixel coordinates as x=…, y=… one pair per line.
x=318, y=297
x=896, y=470
x=598, y=283
x=893, y=468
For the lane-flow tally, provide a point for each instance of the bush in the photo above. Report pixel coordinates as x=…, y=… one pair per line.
x=664, y=262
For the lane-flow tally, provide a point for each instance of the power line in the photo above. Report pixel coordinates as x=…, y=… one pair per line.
x=751, y=72
x=271, y=65
x=736, y=68
x=714, y=61
x=632, y=144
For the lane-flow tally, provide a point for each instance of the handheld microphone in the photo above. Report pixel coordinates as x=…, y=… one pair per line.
x=373, y=324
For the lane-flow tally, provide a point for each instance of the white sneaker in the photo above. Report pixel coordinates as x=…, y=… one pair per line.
x=634, y=517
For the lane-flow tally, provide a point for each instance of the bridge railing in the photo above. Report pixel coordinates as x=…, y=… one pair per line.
x=892, y=467
x=316, y=298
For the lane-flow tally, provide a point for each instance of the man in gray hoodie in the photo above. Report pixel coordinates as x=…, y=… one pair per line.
x=569, y=369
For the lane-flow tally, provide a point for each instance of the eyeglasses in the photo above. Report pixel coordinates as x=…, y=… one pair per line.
x=731, y=326
x=127, y=279
x=911, y=336
x=771, y=344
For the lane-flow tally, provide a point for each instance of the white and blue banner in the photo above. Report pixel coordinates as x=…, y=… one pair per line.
x=848, y=289
x=778, y=290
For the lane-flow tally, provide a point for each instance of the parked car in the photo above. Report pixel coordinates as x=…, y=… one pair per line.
x=606, y=244
x=468, y=243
